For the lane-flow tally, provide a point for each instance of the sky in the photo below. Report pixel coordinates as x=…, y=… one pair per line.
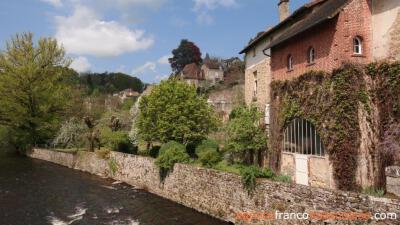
x=136, y=37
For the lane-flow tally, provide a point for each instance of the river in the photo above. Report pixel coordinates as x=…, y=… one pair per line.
x=34, y=192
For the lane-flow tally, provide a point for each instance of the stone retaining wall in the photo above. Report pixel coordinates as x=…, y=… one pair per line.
x=221, y=194
x=393, y=180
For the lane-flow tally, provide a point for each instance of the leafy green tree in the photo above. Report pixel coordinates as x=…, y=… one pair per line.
x=174, y=112
x=245, y=136
x=186, y=53
x=35, y=88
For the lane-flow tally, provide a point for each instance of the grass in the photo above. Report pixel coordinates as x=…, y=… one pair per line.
x=374, y=192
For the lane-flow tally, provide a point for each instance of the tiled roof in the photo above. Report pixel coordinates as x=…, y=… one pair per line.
x=306, y=17
x=192, y=71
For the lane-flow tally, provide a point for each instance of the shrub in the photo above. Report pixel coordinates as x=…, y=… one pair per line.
x=117, y=141
x=207, y=144
x=71, y=134
x=251, y=173
x=209, y=157
x=154, y=151
x=283, y=178
x=171, y=153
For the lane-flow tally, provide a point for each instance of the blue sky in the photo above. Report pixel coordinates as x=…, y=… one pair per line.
x=137, y=36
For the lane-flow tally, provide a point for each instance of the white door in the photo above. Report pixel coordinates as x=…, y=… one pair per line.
x=301, y=169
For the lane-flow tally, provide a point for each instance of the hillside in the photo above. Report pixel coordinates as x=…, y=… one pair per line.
x=108, y=83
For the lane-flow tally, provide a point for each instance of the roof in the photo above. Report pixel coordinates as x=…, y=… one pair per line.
x=192, y=71
x=306, y=17
x=213, y=65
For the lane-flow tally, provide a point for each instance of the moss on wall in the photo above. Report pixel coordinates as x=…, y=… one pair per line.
x=332, y=103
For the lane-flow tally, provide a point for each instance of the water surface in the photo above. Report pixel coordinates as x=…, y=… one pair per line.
x=34, y=192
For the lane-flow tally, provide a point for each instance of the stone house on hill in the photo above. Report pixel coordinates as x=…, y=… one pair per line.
x=192, y=74
x=212, y=71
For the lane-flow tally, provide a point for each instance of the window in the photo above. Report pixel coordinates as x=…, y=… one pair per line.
x=290, y=63
x=255, y=84
x=357, y=45
x=254, y=52
x=301, y=137
x=311, y=55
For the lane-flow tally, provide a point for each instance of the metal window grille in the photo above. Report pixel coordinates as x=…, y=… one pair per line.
x=301, y=137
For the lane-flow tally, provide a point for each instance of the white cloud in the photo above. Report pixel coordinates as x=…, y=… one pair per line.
x=213, y=4
x=159, y=78
x=164, y=60
x=55, y=3
x=205, y=18
x=148, y=66
x=83, y=33
x=203, y=8
x=80, y=64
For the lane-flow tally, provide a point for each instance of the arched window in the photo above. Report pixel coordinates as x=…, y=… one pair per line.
x=290, y=62
x=311, y=55
x=357, y=45
x=301, y=137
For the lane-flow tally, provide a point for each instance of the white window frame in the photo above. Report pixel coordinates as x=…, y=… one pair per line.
x=290, y=62
x=357, y=46
x=311, y=55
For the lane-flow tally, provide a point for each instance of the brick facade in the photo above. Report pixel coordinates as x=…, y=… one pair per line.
x=332, y=41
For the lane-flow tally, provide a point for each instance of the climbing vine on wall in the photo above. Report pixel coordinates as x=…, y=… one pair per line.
x=331, y=102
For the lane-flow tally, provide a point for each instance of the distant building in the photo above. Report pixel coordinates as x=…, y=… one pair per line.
x=192, y=74
x=212, y=71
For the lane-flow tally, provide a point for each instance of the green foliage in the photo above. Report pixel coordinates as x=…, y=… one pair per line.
x=174, y=111
x=116, y=140
x=226, y=167
x=374, y=192
x=283, y=179
x=128, y=103
x=36, y=88
x=209, y=157
x=251, y=173
x=108, y=83
x=113, y=165
x=207, y=144
x=245, y=136
x=171, y=153
x=208, y=153
x=185, y=54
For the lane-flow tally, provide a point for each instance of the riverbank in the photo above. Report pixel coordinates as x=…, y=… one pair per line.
x=221, y=194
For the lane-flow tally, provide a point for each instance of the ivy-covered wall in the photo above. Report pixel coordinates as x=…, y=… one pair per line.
x=351, y=108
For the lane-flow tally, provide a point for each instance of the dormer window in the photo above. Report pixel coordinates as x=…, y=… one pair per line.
x=290, y=63
x=357, y=45
x=311, y=55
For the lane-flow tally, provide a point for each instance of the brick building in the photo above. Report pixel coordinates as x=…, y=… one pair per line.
x=319, y=36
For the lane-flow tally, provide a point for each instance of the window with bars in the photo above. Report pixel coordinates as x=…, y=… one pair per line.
x=301, y=137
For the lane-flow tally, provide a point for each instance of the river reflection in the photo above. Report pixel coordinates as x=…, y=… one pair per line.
x=34, y=192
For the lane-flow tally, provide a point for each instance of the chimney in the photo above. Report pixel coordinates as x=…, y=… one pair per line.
x=283, y=9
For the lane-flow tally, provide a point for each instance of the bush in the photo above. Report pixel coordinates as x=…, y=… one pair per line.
x=207, y=144
x=374, y=192
x=117, y=141
x=207, y=153
x=71, y=134
x=251, y=173
x=209, y=157
x=171, y=153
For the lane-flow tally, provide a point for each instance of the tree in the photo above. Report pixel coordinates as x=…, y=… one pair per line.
x=35, y=88
x=245, y=136
x=185, y=54
x=174, y=112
